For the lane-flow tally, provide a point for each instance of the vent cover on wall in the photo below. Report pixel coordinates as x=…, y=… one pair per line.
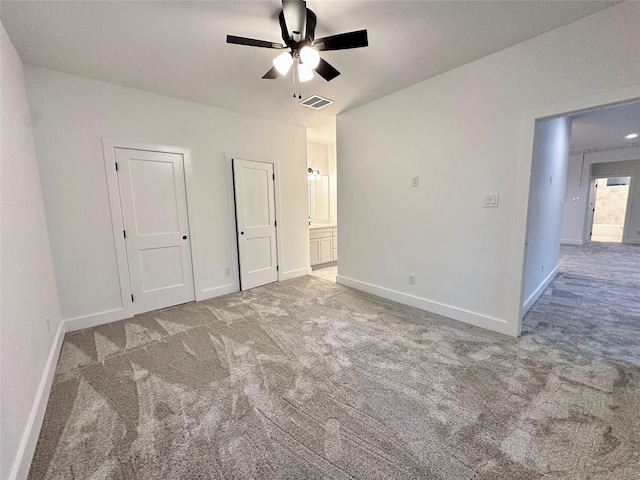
x=316, y=102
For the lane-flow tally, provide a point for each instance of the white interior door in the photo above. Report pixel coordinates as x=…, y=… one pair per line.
x=256, y=222
x=590, y=210
x=154, y=212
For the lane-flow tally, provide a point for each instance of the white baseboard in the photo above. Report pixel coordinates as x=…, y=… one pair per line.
x=569, y=241
x=216, y=292
x=32, y=432
x=95, y=319
x=538, y=291
x=455, y=313
x=300, y=272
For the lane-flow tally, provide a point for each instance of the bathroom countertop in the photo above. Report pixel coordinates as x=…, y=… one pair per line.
x=322, y=225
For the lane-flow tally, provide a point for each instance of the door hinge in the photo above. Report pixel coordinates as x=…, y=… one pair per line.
x=124, y=232
x=273, y=175
x=116, y=166
x=275, y=223
x=132, y=297
x=277, y=268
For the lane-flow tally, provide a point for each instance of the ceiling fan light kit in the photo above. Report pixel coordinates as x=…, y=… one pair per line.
x=309, y=57
x=283, y=63
x=298, y=25
x=305, y=73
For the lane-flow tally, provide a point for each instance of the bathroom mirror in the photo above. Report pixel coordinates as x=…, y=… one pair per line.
x=319, y=198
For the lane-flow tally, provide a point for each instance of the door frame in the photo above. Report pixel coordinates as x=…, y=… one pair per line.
x=233, y=234
x=109, y=154
x=522, y=183
x=589, y=213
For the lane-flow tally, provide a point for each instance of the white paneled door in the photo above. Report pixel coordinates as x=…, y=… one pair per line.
x=156, y=228
x=256, y=223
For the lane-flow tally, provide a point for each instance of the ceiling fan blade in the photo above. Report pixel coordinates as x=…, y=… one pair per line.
x=326, y=70
x=295, y=16
x=342, y=41
x=271, y=74
x=253, y=42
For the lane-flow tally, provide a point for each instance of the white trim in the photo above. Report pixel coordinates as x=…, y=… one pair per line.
x=538, y=291
x=300, y=272
x=95, y=319
x=569, y=241
x=27, y=447
x=108, y=149
x=455, y=313
x=279, y=236
x=233, y=240
x=216, y=291
x=113, y=189
x=515, y=290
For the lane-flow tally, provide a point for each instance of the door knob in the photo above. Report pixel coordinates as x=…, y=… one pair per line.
x=184, y=237
x=241, y=233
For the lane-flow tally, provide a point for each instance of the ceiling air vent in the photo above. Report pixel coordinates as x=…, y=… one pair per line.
x=316, y=102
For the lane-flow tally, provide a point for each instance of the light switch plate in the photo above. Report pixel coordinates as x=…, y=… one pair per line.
x=491, y=201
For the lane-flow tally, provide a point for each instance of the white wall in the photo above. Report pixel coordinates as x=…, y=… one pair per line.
x=578, y=178
x=28, y=347
x=70, y=116
x=461, y=133
x=546, y=202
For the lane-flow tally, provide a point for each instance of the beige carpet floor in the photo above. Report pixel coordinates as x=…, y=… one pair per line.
x=307, y=379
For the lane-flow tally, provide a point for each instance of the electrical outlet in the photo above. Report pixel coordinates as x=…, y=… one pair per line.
x=415, y=181
x=48, y=324
x=227, y=270
x=412, y=279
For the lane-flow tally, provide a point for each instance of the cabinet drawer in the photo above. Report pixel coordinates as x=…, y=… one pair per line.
x=320, y=233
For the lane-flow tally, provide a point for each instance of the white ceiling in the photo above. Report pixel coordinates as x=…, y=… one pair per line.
x=605, y=128
x=178, y=48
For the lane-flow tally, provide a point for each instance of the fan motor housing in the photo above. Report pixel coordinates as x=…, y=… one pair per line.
x=309, y=36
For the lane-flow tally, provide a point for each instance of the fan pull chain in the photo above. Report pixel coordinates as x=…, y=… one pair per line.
x=295, y=78
x=296, y=82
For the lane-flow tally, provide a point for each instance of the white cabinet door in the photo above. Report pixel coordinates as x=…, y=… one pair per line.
x=154, y=211
x=314, y=251
x=335, y=246
x=256, y=222
x=326, y=250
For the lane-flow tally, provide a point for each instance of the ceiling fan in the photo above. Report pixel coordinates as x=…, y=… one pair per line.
x=298, y=25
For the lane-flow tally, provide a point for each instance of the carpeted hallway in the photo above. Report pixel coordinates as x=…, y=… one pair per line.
x=309, y=379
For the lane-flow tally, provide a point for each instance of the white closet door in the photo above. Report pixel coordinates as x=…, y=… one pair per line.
x=256, y=223
x=154, y=211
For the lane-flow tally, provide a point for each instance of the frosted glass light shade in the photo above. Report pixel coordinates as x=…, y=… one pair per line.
x=304, y=72
x=309, y=57
x=283, y=63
